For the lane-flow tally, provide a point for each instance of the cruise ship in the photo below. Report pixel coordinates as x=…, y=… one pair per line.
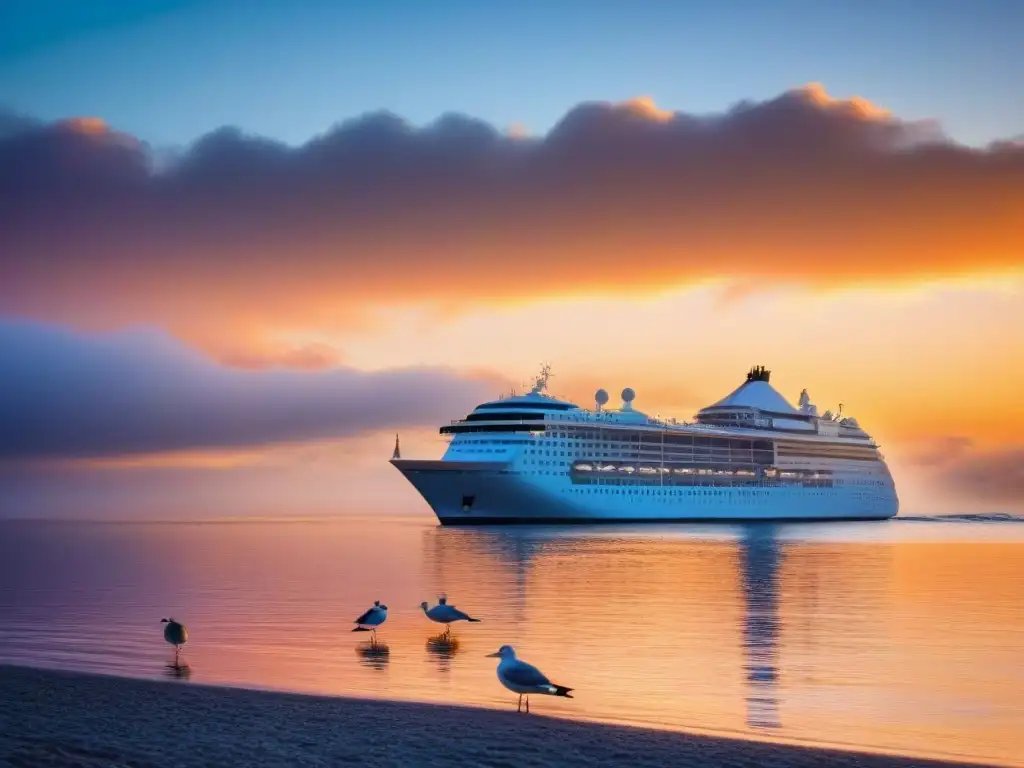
x=534, y=458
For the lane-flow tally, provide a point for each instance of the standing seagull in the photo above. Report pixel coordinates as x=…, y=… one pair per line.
x=175, y=634
x=524, y=679
x=445, y=614
x=372, y=619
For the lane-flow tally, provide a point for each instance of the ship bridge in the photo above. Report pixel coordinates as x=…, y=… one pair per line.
x=514, y=413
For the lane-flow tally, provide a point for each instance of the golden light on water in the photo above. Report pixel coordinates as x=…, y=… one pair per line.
x=869, y=636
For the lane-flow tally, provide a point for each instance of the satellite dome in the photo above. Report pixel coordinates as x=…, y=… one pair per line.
x=628, y=395
x=601, y=397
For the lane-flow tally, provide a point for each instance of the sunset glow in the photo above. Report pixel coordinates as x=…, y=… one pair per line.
x=858, y=249
x=562, y=383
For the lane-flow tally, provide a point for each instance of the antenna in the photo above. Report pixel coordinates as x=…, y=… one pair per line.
x=542, y=380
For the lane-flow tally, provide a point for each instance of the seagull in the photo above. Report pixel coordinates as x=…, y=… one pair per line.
x=175, y=634
x=524, y=679
x=445, y=614
x=372, y=619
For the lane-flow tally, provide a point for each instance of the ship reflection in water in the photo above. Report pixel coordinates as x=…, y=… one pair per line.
x=821, y=633
x=760, y=556
x=567, y=588
x=900, y=636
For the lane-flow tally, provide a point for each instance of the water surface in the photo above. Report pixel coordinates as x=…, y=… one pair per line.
x=902, y=636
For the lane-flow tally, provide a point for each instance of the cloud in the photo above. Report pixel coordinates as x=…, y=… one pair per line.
x=940, y=451
x=13, y=124
x=67, y=395
x=994, y=475
x=967, y=471
x=241, y=237
x=310, y=357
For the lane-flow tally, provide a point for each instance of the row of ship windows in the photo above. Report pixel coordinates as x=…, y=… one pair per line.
x=586, y=444
x=610, y=452
x=553, y=443
x=610, y=455
x=702, y=492
x=650, y=445
x=655, y=440
x=835, y=482
x=723, y=457
x=463, y=440
x=558, y=440
x=571, y=454
x=603, y=443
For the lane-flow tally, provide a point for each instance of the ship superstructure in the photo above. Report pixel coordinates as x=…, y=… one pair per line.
x=749, y=456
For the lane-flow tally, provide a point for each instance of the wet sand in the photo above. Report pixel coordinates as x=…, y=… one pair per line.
x=50, y=718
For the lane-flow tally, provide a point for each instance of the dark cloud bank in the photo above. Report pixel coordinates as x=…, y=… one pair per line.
x=239, y=231
x=70, y=395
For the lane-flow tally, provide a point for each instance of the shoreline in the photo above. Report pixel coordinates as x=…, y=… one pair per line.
x=60, y=718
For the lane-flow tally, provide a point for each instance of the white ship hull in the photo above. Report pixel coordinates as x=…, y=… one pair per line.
x=465, y=493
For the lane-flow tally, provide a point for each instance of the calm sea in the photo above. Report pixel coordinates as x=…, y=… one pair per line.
x=902, y=636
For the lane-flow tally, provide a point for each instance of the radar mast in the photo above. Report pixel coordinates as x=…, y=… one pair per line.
x=542, y=380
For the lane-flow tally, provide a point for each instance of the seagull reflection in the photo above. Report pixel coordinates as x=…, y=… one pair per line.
x=443, y=648
x=374, y=654
x=760, y=556
x=178, y=671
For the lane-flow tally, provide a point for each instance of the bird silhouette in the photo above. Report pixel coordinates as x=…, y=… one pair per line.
x=175, y=634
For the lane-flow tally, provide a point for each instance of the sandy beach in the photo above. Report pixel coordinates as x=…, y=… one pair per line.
x=50, y=718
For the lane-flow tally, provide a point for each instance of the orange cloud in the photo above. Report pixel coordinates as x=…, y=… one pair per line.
x=857, y=106
x=242, y=238
x=308, y=357
x=644, y=106
x=89, y=125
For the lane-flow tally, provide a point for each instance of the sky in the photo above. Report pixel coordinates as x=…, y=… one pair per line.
x=171, y=70
x=241, y=245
